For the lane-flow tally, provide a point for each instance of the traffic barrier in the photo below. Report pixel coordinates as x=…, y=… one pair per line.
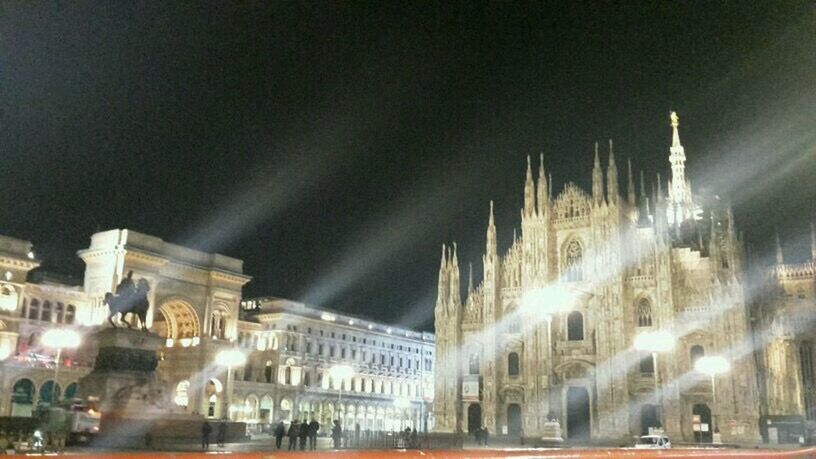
x=689, y=453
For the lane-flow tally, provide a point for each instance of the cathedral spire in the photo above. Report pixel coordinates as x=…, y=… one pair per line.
x=455, y=294
x=491, y=233
x=659, y=189
x=529, y=191
x=630, y=184
x=542, y=195
x=612, y=176
x=780, y=258
x=442, y=293
x=470, y=278
x=812, y=242
x=597, y=179
x=678, y=190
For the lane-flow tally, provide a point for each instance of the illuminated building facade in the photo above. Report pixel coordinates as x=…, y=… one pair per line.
x=196, y=306
x=549, y=331
x=785, y=310
x=293, y=348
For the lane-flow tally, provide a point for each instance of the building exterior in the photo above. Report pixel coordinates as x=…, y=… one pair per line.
x=785, y=322
x=550, y=331
x=293, y=348
x=196, y=306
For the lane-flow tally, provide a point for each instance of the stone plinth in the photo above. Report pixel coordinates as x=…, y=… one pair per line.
x=551, y=433
x=132, y=399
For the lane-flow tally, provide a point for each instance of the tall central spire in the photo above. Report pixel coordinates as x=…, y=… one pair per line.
x=679, y=199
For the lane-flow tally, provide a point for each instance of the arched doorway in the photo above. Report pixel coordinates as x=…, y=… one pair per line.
x=49, y=392
x=474, y=419
x=70, y=390
x=213, y=391
x=702, y=410
x=578, y=420
x=266, y=409
x=514, y=419
x=648, y=418
x=176, y=320
x=22, y=398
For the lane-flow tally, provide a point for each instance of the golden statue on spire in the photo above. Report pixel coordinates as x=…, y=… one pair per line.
x=675, y=120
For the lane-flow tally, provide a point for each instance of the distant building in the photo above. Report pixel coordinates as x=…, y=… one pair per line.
x=196, y=305
x=295, y=346
x=550, y=330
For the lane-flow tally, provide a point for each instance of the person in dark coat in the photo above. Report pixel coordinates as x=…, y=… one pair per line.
x=485, y=434
x=206, y=430
x=294, y=431
x=280, y=432
x=314, y=427
x=336, y=433
x=304, y=435
x=221, y=434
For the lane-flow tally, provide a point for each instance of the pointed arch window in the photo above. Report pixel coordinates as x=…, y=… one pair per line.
x=513, y=364
x=695, y=353
x=573, y=260
x=474, y=364
x=45, y=316
x=644, y=313
x=575, y=326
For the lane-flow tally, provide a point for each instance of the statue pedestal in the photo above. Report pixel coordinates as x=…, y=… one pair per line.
x=131, y=397
x=551, y=433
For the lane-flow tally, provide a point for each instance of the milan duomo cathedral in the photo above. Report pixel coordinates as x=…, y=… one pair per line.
x=549, y=333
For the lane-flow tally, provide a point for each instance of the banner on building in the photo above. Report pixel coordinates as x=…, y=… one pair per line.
x=470, y=388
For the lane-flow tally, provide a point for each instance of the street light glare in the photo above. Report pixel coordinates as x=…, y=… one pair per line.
x=654, y=341
x=402, y=403
x=711, y=366
x=550, y=300
x=230, y=358
x=341, y=372
x=58, y=338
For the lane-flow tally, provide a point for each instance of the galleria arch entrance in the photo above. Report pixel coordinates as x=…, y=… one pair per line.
x=176, y=319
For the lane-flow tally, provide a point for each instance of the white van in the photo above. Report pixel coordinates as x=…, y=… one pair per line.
x=653, y=442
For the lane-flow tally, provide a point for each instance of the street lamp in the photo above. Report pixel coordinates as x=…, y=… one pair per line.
x=340, y=373
x=59, y=339
x=654, y=342
x=402, y=404
x=550, y=300
x=229, y=358
x=712, y=366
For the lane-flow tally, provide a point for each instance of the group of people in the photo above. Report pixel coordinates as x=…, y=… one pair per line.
x=206, y=430
x=299, y=433
x=481, y=434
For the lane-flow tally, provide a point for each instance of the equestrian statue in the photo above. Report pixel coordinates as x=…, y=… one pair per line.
x=131, y=298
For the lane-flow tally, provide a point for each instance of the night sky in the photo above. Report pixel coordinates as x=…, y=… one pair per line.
x=334, y=146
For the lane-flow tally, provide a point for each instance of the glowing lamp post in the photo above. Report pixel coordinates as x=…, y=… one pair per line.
x=60, y=339
x=654, y=342
x=402, y=404
x=712, y=366
x=340, y=373
x=229, y=358
x=550, y=301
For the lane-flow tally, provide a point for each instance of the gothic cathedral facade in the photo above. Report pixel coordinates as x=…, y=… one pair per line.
x=549, y=334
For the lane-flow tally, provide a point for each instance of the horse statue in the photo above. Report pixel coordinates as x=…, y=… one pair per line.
x=130, y=297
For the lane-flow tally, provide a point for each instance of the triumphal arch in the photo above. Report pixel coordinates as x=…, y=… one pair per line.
x=194, y=304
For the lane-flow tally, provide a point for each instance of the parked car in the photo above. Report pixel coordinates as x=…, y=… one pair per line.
x=653, y=442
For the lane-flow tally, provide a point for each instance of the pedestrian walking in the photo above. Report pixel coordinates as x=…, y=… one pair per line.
x=414, y=439
x=280, y=431
x=314, y=427
x=485, y=434
x=336, y=433
x=221, y=434
x=206, y=430
x=304, y=435
x=294, y=431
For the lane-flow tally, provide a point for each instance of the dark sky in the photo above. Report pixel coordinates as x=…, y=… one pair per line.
x=334, y=146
